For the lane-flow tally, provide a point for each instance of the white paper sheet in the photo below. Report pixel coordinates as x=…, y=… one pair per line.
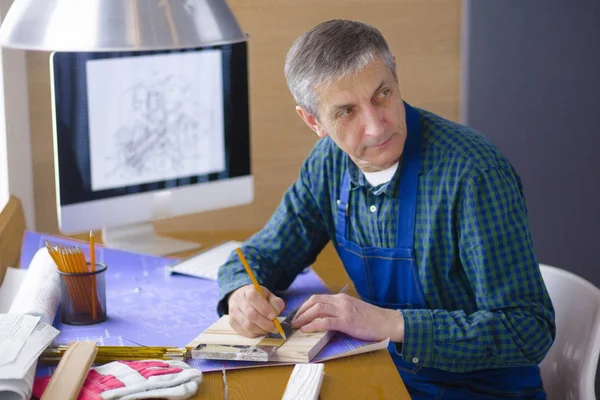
x=14, y=331
x=206, y=264
x=38, y=296
x=18, y=389
x=41, y=337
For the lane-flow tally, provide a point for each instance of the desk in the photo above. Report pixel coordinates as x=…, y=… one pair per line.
x=366, y=376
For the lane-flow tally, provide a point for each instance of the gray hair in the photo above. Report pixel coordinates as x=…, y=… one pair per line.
x=328, y=52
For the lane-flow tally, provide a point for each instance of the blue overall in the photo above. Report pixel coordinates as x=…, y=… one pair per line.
x=388, y=277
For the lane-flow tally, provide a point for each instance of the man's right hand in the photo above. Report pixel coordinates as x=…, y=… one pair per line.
x=250, y=314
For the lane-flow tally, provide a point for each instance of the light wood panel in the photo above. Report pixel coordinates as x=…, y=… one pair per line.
x=12, y=228
x=299, y=347
x=424, y=36
x=305, y=382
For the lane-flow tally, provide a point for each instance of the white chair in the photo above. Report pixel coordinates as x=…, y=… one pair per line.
x=569, y=369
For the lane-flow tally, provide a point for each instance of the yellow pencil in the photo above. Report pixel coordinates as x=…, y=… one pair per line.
x=257, y=286
x=93, y=266
x=92, y=252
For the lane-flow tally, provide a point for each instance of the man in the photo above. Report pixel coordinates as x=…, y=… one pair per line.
x=427, y=217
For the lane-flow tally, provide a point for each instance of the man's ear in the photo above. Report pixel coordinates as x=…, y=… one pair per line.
x=311, y=120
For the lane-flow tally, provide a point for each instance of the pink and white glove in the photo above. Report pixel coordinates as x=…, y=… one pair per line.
x=128, y=380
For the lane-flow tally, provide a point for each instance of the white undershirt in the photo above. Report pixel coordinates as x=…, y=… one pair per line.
x=379, y=177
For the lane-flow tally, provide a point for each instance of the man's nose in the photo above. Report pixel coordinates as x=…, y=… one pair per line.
x=374, y=121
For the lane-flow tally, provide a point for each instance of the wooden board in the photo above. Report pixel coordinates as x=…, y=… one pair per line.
x=299, y=348
x=12, y=228
x=305, y=382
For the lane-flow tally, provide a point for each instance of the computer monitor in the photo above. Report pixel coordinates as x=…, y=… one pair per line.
x=142, y=136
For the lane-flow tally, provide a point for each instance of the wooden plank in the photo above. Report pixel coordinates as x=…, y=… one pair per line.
x=70, y=374
x=305, y=382
x=299, y=348
x=12, y=228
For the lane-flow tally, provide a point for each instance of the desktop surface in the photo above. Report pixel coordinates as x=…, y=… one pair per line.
x=365, y=376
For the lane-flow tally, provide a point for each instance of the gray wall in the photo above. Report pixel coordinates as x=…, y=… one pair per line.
x=531, y=83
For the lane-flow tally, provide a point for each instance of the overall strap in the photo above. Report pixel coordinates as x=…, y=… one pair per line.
x=409, y=178
x=342, y=205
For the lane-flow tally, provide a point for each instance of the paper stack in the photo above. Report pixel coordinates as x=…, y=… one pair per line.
x=26, y=317
x=206, y=264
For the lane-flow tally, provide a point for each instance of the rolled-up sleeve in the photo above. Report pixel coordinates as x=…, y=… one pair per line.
x=288, y=243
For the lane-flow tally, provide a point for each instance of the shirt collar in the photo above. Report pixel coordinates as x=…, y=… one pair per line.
x=357, y=179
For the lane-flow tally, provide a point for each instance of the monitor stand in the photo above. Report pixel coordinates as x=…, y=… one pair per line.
x=141, y=238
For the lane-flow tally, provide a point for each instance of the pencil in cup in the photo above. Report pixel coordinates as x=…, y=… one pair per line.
x=258, y=288
x=83, y=295
x=69, y=285
x=77, y=265
x=93, y=265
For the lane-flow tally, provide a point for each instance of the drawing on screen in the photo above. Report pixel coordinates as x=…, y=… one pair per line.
x=159, y=128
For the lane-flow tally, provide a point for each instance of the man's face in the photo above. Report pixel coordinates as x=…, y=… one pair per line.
x=364, y=115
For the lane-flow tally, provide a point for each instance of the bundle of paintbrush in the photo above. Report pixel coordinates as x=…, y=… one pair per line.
x=106, y=354
x=83, y=299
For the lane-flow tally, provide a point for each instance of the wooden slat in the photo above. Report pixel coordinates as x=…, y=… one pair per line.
x=305, y=382
x=299, y=348
x=70, y=374
x=12, y=228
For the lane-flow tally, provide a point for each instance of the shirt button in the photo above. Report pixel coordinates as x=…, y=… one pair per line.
x=415, y=360
x=373, y=208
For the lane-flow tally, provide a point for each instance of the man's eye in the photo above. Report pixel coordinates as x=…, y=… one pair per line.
x=384, y=93
x=346, y=112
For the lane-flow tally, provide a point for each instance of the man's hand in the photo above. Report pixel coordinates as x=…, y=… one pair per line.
x=351, y=316
x=250, y=314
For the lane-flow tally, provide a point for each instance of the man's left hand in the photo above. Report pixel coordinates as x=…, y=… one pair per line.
x=352, y=316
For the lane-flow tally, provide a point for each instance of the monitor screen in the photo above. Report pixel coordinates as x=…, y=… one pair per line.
x=140, y=136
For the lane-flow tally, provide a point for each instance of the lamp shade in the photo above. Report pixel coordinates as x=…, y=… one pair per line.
x=118, y=25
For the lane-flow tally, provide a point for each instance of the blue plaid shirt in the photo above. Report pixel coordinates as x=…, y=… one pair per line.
x=487, y=304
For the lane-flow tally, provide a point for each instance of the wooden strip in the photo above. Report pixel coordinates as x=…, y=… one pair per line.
x=12, y=228
x=303, y=348
x=305, y=382
x=299, y=348
x=67, y=380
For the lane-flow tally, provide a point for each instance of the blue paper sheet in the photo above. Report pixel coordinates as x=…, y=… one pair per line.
x=148, y=306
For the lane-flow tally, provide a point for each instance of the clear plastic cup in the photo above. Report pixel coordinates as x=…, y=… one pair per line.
x=83, y=296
